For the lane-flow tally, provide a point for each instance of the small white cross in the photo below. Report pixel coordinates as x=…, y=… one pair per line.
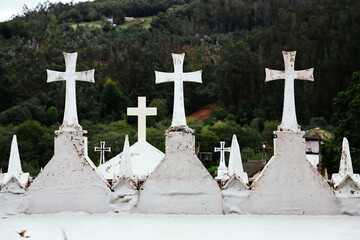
x=102, y=149
x=289, y=121
x=222, y=151
x=178, y=77
x=142, y=111
x=70, y=121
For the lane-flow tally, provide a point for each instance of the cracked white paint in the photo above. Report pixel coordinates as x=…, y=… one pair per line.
x=289, y=121
x=125, y=168
x=70, y=174
x=346, y=183
x=70, y=121
x=142, y=111
x=235, y=162
x=14, y=181
x=180, y=184
x=178, y=77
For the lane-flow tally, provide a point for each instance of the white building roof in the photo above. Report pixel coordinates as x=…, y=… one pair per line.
x=144, y=159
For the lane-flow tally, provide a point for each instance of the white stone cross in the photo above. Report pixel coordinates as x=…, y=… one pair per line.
x=142, y=111
x=102, y=149
x=178, y=77
x=289, y=122
x=222, y=151
x=70, y=121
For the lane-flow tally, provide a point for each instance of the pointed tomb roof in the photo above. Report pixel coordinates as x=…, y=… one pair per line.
x=14, y=179
x=235, y=162
x=346, y=168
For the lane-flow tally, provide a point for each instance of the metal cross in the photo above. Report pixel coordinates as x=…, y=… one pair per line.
x=102, y=149
x=289, y=122
x=222, y=151
x=142, y=111
x=70, y=121
x=263, y=149
x=178, y=77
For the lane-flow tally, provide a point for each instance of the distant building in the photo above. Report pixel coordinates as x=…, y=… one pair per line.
x=253, y=169
x=313, y=139
x=130, y=19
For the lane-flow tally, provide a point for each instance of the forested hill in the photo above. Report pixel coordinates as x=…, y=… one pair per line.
x=231, y=40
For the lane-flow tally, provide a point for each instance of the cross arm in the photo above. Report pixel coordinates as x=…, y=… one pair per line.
x=86, y=76
x=193, y=77
x=151, y=111
x=161, y=77
x=132, y=111
x=273, y=74
x=307, y=74
x=54, y=76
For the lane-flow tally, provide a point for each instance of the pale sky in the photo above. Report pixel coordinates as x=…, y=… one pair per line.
x=14, y=7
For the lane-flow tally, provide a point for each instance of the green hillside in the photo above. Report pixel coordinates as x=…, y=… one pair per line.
x=232, y=41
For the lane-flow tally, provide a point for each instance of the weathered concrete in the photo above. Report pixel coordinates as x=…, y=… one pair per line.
x=346, y=183
x=15, y=180
x=289, y=184
x=70, y=181
x=235, y=195
x=180, y=184
x=125, y=195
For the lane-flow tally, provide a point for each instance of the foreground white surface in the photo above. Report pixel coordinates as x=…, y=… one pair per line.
x=116, y=226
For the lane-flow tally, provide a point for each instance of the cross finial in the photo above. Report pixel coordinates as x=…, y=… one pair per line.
x=345, y=162
x=142, y=111
x=222, y=151
x=289, y=121
x=14, y=160
x=178, y=77
x=70, y=121
x=102, y=149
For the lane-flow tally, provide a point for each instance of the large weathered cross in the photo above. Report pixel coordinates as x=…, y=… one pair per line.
x=222, y=149
x=178, y=77
x=142, y=111
x=289, y=122
x=70, y=121
x=102, y=149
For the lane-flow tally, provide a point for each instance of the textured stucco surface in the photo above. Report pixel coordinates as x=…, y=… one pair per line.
x=180, y=183
x=70, y=181
x=289, y=184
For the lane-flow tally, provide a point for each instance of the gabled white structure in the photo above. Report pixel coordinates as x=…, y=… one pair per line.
x=70, y=180
x=14, y=181
x=144, y=159
x=289, y=184
x=346, y=182
x=180, y=184
x=144, y=156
